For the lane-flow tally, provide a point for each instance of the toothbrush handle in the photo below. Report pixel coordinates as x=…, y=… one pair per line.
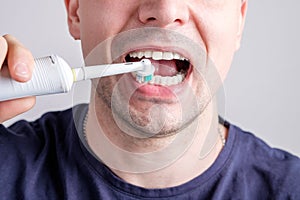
x=51, y=75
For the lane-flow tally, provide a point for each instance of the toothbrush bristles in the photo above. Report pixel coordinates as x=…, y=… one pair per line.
x=143, y=79
x=146, y=74
x=148, y=78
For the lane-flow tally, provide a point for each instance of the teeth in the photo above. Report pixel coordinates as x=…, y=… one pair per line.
x=167, y=80
x=168, y=56
x=176, y=56
x=140, y=55
x=148, y=54
x=157, y=55
x=164, y=80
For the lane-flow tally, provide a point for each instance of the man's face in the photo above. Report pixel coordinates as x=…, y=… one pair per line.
x=183, y=39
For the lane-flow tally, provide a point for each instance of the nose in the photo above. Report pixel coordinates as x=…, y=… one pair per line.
x=163, y=13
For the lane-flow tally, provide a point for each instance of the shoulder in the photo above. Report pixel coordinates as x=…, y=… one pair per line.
x=274, y=169
x=31, y=150
x=259, y=149
x=49, y=128
x=48, y=120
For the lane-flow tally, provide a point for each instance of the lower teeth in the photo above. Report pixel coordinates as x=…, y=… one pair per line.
x=167, y=80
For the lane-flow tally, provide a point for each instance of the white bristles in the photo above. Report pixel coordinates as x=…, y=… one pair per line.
x=145, y=75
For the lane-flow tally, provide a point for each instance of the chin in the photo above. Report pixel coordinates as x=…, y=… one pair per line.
x=146, y=118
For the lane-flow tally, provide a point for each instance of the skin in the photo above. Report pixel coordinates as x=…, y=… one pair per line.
x=209, y=23
x=206, y=23
x=15, y=53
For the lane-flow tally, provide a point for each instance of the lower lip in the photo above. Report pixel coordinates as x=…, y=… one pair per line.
x=156, y=91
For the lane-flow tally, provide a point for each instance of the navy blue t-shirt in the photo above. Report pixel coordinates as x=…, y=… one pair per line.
x=46, y=159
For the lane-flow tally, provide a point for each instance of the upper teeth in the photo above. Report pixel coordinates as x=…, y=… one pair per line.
x=157, y=55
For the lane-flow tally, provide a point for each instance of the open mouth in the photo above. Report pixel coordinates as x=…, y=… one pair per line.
x=170, y=68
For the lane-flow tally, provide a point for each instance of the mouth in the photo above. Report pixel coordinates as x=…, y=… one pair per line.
x=171, y=68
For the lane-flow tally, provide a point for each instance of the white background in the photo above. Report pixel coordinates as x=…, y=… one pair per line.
x=262, y=89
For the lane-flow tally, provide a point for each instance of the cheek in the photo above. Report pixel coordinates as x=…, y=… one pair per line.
x=100, y=20
x=221, y=45
x=94, y=33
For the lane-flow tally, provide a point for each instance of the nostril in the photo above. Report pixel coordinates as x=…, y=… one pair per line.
x=163, y=13
x=179, y=21
x=151, y=19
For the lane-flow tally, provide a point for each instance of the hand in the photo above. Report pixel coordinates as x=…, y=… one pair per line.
x=20, y=63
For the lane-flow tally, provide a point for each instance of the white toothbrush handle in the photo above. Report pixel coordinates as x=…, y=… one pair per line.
x=51, y=75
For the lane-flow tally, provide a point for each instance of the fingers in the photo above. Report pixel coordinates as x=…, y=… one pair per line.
x=20, y=64
x=3, y=51
x=19, y=59
x=12, y=108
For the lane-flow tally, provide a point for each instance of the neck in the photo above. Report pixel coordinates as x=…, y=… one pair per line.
x=155, y=162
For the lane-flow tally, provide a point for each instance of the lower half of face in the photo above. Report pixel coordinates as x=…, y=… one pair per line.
x=153, y=110
x=159, y=108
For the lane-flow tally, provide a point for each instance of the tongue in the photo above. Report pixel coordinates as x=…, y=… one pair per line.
x=162, y=67
x=165, y=67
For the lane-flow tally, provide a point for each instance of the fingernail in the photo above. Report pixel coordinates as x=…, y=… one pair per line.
x=21, y=70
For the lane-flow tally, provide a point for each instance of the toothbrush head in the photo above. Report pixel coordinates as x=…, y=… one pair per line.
x=146, y=74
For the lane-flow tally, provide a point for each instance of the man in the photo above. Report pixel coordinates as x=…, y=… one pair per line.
x=157, y=140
